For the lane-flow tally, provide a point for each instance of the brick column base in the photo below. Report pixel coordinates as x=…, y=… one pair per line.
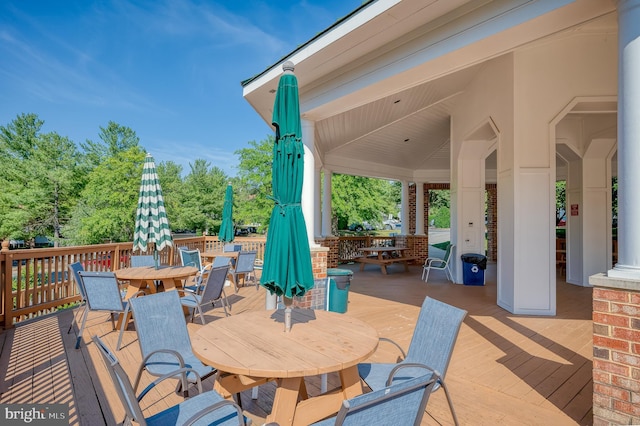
x=616, y=351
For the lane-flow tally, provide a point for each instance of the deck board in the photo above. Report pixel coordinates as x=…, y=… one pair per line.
x=506, y=369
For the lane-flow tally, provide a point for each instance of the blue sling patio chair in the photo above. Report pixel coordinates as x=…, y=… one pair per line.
x=245, y=266
x=164, y=339
x=102, y=293
x=205, y=408
x=212, y=291
x=74, y=268
x=434, y=338
x=191, y=257
x=400, y=403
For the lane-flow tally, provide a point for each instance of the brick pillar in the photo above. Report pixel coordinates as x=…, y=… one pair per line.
x=616, y=351
x=316, y=297
x=333, y=244
x=412, y=209
x=492, y=222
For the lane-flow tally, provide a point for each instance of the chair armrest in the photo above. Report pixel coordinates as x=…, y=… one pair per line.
x=189, y=294
x=385, y=339
x=211, y=408
x=182, y=371
x=144, y=363
x=392, y=373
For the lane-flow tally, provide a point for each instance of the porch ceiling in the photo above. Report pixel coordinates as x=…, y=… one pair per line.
x=380, y=96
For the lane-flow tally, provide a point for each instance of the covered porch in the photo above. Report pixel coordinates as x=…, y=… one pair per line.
x=506, y=369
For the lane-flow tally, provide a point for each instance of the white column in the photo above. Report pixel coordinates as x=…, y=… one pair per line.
x=419, y=208
x=327, y=212
x=308, y=184
x=628, y=265
x=317, y=205
x=404, y=203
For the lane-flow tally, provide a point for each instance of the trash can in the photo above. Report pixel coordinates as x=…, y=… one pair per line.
x=338, y=289
x=473, y=266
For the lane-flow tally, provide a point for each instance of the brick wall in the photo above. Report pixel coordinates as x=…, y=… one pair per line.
x=616, y=356
x=316, y=297
x=333, y=244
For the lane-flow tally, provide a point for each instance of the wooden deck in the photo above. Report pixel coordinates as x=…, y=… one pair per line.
x=506, y=369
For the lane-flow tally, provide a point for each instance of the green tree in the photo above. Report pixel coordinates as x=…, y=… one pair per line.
x=114, y=138
x=440, y=208
x=170, y=177
x=358, y=199
x=252, y=186
x=202, y=198
x=561, y=201
x=43, y=182
x=109, y=200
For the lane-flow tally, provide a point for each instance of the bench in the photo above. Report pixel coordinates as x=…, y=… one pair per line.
x=375, y=260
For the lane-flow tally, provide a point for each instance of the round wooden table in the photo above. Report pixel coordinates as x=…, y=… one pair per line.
x=253, y=348
x=142, y=277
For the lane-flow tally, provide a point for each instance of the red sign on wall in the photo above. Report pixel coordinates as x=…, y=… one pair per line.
x=574, y=210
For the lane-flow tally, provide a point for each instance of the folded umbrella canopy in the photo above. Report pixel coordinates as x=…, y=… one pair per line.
x=152, y=225
x=287, y=260
x=226, y=228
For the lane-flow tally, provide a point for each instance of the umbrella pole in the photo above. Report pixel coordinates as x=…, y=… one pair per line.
x=155, y=257
x=287, y=313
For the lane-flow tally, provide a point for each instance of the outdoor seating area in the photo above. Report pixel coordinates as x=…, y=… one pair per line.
x=503, y=369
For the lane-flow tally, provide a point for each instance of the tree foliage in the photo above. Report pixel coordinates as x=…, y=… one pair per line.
x=252, y=186
x=358, y=199
x=41, y=186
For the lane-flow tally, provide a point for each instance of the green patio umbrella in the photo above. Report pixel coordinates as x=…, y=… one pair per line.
x=287, y=260
x=152, y=225
x=226, y=227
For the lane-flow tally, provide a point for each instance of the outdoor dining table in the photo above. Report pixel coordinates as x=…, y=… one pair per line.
x=384, y=256
x=141, y=278
x=210, y=255
x=252, y=348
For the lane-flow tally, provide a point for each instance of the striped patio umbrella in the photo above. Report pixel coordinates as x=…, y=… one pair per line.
x=152, y=225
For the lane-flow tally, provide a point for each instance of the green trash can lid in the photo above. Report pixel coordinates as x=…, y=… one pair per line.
x=332, y=272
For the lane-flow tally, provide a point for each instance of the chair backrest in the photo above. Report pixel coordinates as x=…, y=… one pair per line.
x=435, y=335
x=121, y=382
x=401, y=403
x=142, y=260
x=447, y=254
x=74, y=268
x=160, y=323
x=232, y=247
x=221, y=261
x=246, y=261
x=102, y=291
x=215, y=284
x=191, y=258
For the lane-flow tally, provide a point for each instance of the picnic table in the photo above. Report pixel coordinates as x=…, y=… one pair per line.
x=384, y=256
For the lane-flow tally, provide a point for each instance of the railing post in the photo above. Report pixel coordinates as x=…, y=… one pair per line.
x=7, y=289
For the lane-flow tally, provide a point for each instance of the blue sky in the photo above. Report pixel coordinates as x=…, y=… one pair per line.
x=168, y=69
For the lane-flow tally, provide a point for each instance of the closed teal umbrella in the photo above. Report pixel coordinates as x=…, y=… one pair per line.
x=226, y=228
x=152, y=225
x=287, y=260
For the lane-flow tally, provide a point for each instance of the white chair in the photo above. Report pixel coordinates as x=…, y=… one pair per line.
x=437, y=263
